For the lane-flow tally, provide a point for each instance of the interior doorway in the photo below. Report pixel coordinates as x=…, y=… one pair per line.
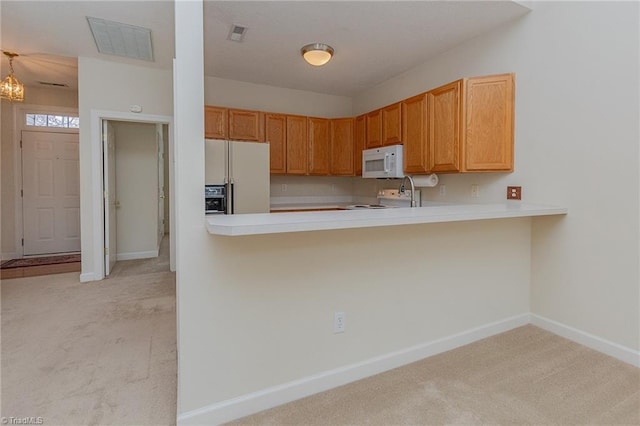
x=135, y=199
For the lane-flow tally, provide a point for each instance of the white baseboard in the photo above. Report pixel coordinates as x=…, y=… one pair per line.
x=137, y=255
x=87, y=276
x=615, y=350
x=277, y=395
x=8, y=256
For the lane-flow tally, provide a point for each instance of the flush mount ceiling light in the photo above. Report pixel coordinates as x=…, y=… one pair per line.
x=115, y=38
x=317, y=54
x=10, y=87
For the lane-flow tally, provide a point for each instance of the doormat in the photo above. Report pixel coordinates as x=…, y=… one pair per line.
x=39, y=261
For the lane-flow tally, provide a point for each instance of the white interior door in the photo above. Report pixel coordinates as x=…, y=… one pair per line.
x=51, y=192
x=110, y=200
x=161, y=194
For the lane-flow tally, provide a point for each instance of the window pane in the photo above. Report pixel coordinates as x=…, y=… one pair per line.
x=41, y=120
x=74, y=122
x=31, y=120
x=57, y=121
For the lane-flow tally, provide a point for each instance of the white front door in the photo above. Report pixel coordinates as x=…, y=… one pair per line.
x=51, y=192
x=110, y=200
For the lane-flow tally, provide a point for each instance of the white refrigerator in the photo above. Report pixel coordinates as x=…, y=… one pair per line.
x=243, y=167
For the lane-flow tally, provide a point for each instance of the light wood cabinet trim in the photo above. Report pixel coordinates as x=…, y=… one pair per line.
x=276, y=137
x=215, y=122
x=359, y=143
x=246, y=125
x=414, y=135
x=319, y=146
x=392, y=124
x=297, y=145
x=445, y=118
x=374, y=129
x=342, y=151
x=489, y=123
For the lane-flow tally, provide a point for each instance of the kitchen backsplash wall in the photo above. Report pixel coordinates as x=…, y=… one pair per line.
x=322, y=189
x=288, y=189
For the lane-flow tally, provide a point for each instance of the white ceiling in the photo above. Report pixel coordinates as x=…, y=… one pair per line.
x=373, y=41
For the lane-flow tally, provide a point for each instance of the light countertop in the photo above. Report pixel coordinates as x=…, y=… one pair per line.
x=274, y=223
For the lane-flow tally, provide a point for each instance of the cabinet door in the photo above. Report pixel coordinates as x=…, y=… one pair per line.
x=392, y=124
x=342, y=146
x=276, y=137
x=374, y=129
x=296, y=145
x=215, y=122
x=319, y=146
x=444, y=112
x=489, y=115
x=246, y=125
x=414, y=134
x=359, y=143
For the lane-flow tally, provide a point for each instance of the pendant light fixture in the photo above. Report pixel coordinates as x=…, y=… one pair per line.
x=317, y=54
x=10, y=88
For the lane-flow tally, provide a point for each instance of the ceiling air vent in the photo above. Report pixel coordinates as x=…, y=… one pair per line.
x=237, y=33
x=115, y=38
x=47, y=83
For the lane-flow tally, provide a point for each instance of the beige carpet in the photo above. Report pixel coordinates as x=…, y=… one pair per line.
x=105, y=353
x=525, y=376
x=92, y=353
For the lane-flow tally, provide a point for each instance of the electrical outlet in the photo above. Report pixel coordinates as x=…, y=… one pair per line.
x=338, y=322
x=284, y=187
x=475, y=190
x=514, y=193
x=443, y=189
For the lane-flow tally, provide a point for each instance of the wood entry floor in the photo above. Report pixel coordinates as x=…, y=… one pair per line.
x=38, y=270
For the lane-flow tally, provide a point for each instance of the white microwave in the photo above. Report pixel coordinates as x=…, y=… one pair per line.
x=385, y=162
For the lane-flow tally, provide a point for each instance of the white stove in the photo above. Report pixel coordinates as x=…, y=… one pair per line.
x=390, y=198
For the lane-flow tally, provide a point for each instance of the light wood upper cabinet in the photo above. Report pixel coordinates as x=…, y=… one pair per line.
x=297, y=161
x=489, y=116
x=215, y=122
x=374, y=129
x=342, y=151
x=276, y=137
x=359, y=143
x=445, y=116
x=392, y=124
x=319, y=146
x=414, y=134
x=246, y=125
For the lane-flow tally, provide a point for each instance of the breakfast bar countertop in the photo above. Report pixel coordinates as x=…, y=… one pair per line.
x=268, y=223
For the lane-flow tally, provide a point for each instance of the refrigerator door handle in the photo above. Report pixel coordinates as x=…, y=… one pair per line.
x=233, y=198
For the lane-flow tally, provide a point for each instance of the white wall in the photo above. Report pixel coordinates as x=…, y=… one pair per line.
x=238, y=94
x=576, y=142
x=35, y=96
x=111, y=86
x=136, y=157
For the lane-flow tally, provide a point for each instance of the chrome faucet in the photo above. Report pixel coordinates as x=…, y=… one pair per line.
x=413, y=189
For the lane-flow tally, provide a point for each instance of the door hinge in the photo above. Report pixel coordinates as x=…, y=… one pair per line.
x=23, y=242
x=106, y=195
x=106, y=251
x=20, y=143
x=22, y=193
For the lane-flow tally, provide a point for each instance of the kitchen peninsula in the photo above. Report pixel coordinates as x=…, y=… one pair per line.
x=267, y=223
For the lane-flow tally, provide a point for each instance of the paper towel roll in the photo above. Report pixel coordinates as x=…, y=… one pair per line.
x=424, y=181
